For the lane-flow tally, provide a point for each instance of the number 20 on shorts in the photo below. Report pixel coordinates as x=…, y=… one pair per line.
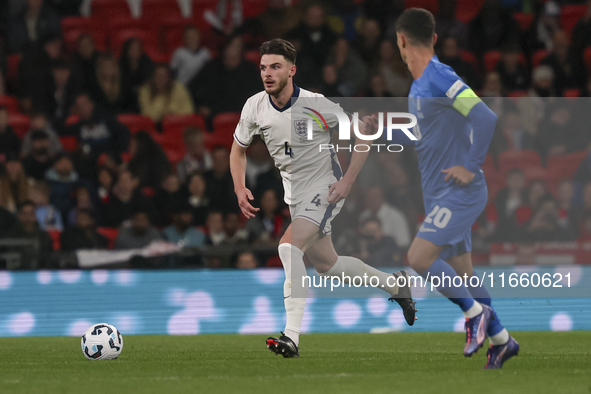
x=440, y=217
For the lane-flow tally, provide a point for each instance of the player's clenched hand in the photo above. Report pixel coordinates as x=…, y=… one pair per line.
x=338, y=191
x=370, y=125
x=459, y=174
x=244, y=197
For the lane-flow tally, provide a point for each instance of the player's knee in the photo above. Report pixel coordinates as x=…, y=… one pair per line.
x=416, y=261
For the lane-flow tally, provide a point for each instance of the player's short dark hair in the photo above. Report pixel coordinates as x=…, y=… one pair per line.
x=418, y=25
x=277, y=46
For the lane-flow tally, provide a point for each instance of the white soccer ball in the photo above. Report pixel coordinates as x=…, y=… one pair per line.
x=101, y=341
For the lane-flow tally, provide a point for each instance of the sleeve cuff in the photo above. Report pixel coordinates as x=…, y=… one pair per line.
x=242, y=144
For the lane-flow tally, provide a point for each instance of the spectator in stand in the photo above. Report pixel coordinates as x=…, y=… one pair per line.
x=168, y=196
x=215, y=228
x=235, y=234
x=225, y=82
x=108, y=93
x=401, y=193
x=197, y=157
x=394, y=70
x=492, y=28
x=28, y=228
x=56, y=98
x=583, y=210
x=14, y=189
x=9, y=142
x=351, y=70
x=279, y=18
x=140, y=234
x=40, y=159
x=269, y=224
x=125, y=197
x=197, y=198
x=393, y=221
x=563, y=64
x=446, y=24
x=514, y=74
x=36, y=22
x=148, y=162
x=330, y=81
x=559, y=132
x=219, y=182
x=585, y=228
x=106, y=180
x=451, y=55
x=39, y=123
x=83, y=202
x=492, y=86
x=98, y=132
x=136, y=69
x=246, y=261
x=163, y=95
x=63, y=180
x=567, y=210
x=536, y=193
x=181, y=232
x=542, y=30
x=258, y=161
x=378, y=87
x=85, y=59
x=367, y=43
x=581, y=37
x=313, y=40
x=532, y=108
x=510, y=134
x=83, y=234
x=48, y=216
x=544, y=224
x=375, y=248
x=188, y=60
x=7, y=220
x=508, y=200
x=34, y=72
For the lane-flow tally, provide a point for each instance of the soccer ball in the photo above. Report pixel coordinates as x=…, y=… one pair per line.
x=101, y=342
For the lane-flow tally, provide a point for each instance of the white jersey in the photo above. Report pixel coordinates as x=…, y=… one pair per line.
x=304, y=167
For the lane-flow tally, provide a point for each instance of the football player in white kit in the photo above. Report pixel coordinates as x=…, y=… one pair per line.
x=315, y=190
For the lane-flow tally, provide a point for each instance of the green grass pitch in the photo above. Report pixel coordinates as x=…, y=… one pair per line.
x=329, y=363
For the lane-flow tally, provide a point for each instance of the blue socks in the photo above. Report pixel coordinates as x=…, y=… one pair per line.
x=458, y=295
x=481, y=294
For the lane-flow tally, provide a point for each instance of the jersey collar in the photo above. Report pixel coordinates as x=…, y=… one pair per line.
x=296, y=94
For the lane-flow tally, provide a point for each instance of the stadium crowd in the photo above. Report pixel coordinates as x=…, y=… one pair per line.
x=115, y=131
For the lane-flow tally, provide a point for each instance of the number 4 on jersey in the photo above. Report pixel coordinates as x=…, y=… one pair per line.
x=288, y=151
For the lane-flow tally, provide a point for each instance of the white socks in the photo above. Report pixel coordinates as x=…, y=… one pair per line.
x=474, y=311
x=351, y=266
x=293, y=264
x=500, y=338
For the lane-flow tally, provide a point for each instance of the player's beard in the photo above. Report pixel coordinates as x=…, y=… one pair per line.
x=281, y=84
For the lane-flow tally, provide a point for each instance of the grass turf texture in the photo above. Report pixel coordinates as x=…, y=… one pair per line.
x=343, y=363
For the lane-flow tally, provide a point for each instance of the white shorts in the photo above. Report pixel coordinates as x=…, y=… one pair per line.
x=317, y=210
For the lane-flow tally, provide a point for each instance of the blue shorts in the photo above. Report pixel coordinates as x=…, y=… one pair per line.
x=450, y=218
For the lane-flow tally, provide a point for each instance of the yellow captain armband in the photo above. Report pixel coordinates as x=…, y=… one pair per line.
x=465, y=101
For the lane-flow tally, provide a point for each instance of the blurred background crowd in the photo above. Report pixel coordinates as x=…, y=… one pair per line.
x=116, y=120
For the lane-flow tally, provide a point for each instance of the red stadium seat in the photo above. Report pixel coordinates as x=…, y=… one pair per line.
x=154, y=11
x=69, y=143
x=587, y=57
x=466, y=10
x=524, y=19
x=571, y=93
x=518, y=159
x=174, y=156
x=253, y=57
x=538, y=56
x=20, y=124
x=109, y=233
x=226, y=122
x=470, y=58
x=566, y=165
x=431, y=5
x=11, y=104
x=254, y=7
x=56, y=239
x=72, y=119
x=491, y=58
x=12, y=62
x=103, y=10
x=175, y=125
x=517, y=93
x=570, y=15
x=135, y=123
x=212, y=140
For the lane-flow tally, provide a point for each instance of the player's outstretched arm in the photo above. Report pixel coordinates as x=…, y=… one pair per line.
x=238, y=170
x=341, y=189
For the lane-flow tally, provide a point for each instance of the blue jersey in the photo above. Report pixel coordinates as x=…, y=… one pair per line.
x=441, y=102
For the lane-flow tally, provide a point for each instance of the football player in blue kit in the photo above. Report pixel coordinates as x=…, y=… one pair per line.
x=454, y=129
